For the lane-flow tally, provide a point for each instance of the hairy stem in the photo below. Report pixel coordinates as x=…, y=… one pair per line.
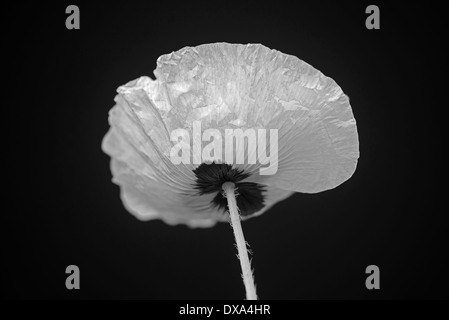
x=248, y=280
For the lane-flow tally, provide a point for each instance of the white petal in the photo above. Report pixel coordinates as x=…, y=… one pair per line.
x=228, y=86
x=147, y=199
x=263, y=88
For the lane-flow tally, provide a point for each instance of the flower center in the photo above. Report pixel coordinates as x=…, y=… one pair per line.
x=210, y=179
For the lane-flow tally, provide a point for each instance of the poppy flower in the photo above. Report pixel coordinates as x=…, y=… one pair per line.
x=219, y=87
x=227, y=85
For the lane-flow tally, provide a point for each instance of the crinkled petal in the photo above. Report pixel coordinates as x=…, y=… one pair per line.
x=251, y=86
x=224, y=86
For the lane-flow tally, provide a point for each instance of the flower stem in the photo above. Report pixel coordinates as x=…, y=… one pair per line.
x=248, y=280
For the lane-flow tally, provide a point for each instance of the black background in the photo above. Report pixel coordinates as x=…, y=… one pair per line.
x=61, y=207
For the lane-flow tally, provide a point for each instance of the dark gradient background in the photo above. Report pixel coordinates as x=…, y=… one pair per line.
x=62, y=208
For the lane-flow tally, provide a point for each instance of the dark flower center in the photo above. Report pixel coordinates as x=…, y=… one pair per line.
x=210, y=178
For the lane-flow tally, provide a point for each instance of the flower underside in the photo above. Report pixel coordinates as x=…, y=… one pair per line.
x=210, y=179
